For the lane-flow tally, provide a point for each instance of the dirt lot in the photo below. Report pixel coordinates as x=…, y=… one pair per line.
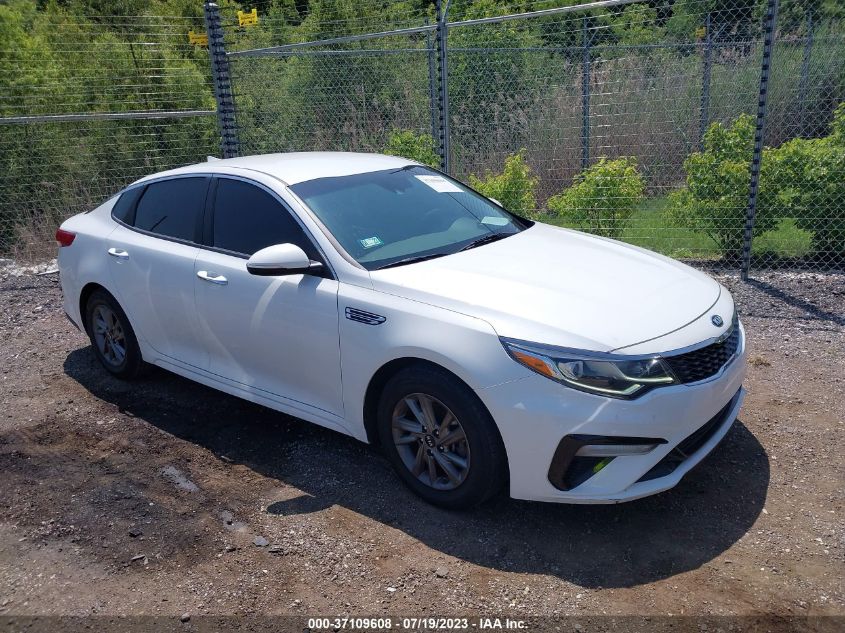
x=148, y=497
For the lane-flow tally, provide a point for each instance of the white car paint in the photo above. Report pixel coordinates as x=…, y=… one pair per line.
x=286, y=343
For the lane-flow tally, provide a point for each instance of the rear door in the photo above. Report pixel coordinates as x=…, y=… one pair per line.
x=151, y=257
x=277, y=335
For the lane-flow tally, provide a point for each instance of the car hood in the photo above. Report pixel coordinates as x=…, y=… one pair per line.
x=560, y=287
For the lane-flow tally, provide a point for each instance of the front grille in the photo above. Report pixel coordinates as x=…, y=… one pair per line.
x=706, y=361
x=690, y=445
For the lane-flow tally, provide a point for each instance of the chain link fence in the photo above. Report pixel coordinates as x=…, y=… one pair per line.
x=631, y=119
x=87, y=106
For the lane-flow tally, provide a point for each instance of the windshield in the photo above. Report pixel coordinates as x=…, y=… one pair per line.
x=398, y=216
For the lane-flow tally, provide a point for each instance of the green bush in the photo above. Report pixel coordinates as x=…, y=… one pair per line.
x=803, y=179
x=603, y=197
x=806, y=181
x=418, y=147
x=715, y=199
x=514, y=187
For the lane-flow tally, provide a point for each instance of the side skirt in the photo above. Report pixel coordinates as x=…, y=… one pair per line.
x=277, y=403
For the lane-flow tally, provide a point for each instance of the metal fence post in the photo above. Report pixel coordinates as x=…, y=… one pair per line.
x=432, y=84
x=768, y=39
x=704, y=114
x=441, y=12
x=220, y=78
x=586, y=40
x=805, y=71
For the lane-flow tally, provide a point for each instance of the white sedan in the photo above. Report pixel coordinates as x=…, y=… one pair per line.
x=385, y=300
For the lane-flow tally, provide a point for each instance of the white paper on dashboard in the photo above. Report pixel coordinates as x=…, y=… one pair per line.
x=439, y=184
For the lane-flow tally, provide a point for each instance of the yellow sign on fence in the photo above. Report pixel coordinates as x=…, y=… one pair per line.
x=248, y=19
x=198, y=39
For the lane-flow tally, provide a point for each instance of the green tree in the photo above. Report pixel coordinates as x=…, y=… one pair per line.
x=805, y=180
x=715, y=198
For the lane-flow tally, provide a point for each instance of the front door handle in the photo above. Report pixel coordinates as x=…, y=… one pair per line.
x=210, y=277
x=120, y=254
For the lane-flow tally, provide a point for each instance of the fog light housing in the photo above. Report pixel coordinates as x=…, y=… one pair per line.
x=580, y=457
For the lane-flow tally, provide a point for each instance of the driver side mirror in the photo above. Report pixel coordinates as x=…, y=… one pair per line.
x=281, y=259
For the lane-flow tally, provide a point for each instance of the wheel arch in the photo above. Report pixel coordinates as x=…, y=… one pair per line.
x=85, y=294
x=87, y=290
x=380, y=378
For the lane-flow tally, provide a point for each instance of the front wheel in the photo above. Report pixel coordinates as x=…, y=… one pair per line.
x=440, y=438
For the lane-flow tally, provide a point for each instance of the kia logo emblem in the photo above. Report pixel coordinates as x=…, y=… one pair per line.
x=716, y=320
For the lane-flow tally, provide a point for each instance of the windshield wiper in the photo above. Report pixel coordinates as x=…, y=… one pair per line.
x=411, y=260
x=486, y=239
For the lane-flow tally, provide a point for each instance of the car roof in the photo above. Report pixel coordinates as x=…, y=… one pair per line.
x=295, y=167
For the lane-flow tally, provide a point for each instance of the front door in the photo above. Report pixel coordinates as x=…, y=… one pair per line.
x=278, y=335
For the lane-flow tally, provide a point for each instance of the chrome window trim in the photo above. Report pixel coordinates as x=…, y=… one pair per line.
x=326, y=261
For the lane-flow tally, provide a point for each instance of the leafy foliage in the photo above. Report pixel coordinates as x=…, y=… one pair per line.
x=84, y=56
x=715, y=199
x=802, y=179
x=806, y=181
x=603, y=197
x=514, y=187
x=418, y=147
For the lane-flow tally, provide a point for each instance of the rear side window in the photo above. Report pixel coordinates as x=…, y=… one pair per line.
x=172, y=207
x=247, y=219
x=125, y=205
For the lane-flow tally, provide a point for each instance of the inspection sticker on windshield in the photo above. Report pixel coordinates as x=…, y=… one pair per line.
x=440, y=184
x=493, y=220
x=370, y=242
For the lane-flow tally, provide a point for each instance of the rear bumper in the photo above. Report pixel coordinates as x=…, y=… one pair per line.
x=535, y=414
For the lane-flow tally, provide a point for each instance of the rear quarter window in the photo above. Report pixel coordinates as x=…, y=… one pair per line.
x=124, y=208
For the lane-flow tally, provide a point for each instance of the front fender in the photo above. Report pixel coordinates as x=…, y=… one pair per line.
x=466, y=346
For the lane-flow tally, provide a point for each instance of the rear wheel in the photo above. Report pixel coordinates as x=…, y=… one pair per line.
x=440, y=438
x=112, y=337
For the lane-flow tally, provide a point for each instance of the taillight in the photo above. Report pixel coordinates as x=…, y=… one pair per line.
x=64, y=238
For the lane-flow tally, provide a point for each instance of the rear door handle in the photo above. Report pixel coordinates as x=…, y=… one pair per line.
x=215, y=279
x=116, y=252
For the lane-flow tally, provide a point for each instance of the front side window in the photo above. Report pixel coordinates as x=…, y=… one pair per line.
x=247, y=219
x=172, y=208
x=392, y=217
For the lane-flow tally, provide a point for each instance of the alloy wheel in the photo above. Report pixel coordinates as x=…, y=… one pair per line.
x=109, y=335
x=431, y=441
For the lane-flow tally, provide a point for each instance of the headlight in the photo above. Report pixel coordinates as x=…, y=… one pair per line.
x=594, y=372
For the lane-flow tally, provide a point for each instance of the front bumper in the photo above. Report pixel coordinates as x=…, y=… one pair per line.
x=534, y=414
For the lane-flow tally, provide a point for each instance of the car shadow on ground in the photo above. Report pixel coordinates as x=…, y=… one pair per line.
x=592, y=546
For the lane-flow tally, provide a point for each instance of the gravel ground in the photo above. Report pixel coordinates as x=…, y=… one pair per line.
x=163, y=497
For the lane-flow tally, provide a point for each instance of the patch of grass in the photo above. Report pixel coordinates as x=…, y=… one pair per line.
x=651, y=228
x=786, y=240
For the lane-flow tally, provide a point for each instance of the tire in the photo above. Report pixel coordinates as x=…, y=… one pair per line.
x=481, y=451
x=103, y=312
